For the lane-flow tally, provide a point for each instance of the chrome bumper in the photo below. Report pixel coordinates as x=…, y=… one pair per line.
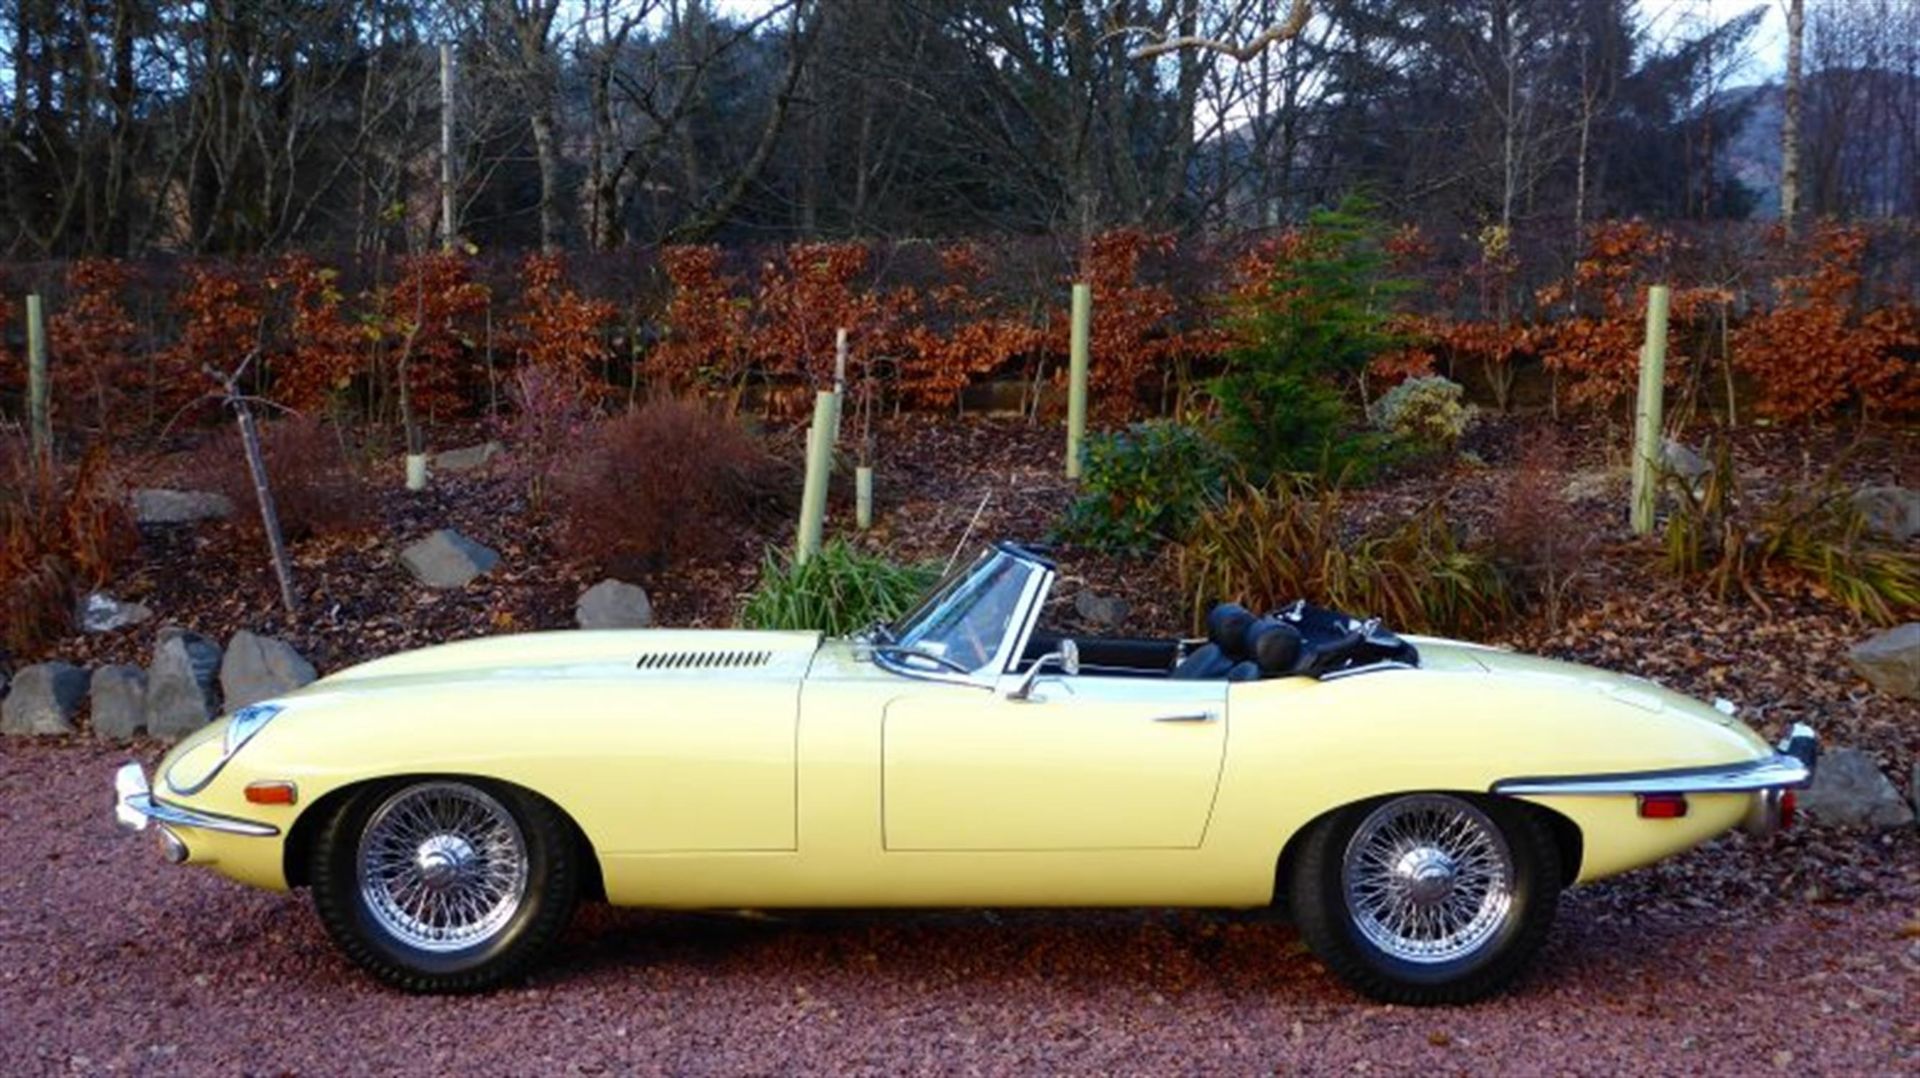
x=134, y=806
x=1769, y=779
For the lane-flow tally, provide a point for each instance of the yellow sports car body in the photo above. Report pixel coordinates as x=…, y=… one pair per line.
x=1415, y=804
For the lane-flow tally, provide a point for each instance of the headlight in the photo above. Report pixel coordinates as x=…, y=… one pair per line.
x=245, y=723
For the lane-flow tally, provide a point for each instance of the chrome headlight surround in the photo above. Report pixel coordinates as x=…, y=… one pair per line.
x=245, y=723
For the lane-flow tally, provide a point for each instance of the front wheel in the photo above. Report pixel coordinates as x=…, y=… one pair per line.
x=1426, y=898
x=445, y=885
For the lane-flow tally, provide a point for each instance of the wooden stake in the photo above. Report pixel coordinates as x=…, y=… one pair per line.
x=1647, y=414
x=39, y=427
x=1077, y=375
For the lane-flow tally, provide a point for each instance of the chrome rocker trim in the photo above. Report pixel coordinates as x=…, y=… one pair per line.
x=134, y=806
x=1789, y=768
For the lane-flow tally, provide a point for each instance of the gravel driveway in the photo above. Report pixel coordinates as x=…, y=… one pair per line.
x=111, y=960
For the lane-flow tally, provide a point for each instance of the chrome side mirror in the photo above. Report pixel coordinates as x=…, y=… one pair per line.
x=1067, y=658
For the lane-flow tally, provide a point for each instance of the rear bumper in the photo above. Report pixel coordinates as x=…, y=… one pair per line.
x=1768, y=779
x=134, y=806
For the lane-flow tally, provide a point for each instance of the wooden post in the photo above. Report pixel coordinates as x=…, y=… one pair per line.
x=39, y=426
x=813, y=496
x=1077, y=375
x=839, y=380
x=1647, y=417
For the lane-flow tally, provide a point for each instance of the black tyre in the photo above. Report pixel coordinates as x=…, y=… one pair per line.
x=1426, y=898
x=445, y=885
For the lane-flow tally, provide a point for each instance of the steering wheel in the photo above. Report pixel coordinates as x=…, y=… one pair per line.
x=918, y=653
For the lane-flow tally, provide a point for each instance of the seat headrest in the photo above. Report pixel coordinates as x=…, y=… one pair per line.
x=1275, y=645
x=1227, y=628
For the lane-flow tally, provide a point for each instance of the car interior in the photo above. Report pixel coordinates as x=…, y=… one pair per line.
x=1301, y=640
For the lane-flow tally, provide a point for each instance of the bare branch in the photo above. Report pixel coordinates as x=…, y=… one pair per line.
x=1295, y=22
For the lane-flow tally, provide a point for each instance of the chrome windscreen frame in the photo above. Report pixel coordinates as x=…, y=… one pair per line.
x=1013, y=640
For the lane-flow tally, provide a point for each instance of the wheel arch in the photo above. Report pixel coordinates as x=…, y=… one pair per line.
x=297, y=851
x=1566, y=834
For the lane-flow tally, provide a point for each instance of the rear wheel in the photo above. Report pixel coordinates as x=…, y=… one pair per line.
x=1427, y=898
x=445, y=885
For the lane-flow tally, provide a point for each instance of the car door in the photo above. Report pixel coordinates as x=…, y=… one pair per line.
x=1085, y=763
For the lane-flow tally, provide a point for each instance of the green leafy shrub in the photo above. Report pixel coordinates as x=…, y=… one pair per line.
x=1142, y=487
x=1267, y=547
x=1429, y=413
x=1812, y=530
x=840, y=590
x=1316, y=314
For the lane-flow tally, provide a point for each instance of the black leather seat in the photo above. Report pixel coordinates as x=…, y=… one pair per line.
x=1226, y=644
x=1273, y=648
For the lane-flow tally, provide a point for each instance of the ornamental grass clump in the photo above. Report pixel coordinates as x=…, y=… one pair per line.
x=1269, y=546
x=1813, y=531
x=840, y=590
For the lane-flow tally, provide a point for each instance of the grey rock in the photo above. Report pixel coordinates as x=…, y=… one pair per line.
x=158, y=505
x=102, y=613
x=181, y=693
x=1101, y=612
x=1849, y=791
x=1679, y=460
x=614, y=604
x=447, y=559
x=119, y=702
x=43, y=699
x=468, y=458
x=1891, y=511
x=258, y=668
x=1891, y=661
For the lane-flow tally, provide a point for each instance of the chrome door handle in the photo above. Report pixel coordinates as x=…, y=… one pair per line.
x=1187, y=716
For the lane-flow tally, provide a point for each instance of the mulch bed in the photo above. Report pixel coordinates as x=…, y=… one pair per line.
x=945, y=484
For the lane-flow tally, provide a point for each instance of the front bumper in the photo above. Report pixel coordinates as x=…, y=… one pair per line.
x=134, y=806
x=1770, y=779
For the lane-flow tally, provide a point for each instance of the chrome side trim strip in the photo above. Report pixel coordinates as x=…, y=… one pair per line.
x=1775, y=772
x=135, y=805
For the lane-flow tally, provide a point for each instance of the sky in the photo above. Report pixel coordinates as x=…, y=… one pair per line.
x=1767, y=49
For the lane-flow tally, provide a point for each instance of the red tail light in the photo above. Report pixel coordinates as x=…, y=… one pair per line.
x=1663, y=806
x=1789, y=808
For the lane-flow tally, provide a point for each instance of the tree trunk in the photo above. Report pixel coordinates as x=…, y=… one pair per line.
x=1790, y=122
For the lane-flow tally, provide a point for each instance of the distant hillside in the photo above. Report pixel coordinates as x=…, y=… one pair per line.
x=1872, y=174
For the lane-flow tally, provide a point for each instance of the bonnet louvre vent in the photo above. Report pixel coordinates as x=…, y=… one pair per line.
x=703, y=660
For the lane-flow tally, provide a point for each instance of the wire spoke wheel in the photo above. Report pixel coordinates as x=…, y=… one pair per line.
x=442, y=866
x=1428, y=879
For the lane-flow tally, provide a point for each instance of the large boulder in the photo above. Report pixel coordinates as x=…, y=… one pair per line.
x=1891, y=661
x=43, y=699
x=1849, y=791
x=614, y=604
x=181, y=691
x=102, y=613
x=1891, y=511
x=447, y=559
x=1676, y=459
x=119, y=702
x=258, y=668
x=159, y=505
x=467, y=458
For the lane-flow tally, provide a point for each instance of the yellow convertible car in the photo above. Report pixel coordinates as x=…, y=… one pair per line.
x=1415, y=804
